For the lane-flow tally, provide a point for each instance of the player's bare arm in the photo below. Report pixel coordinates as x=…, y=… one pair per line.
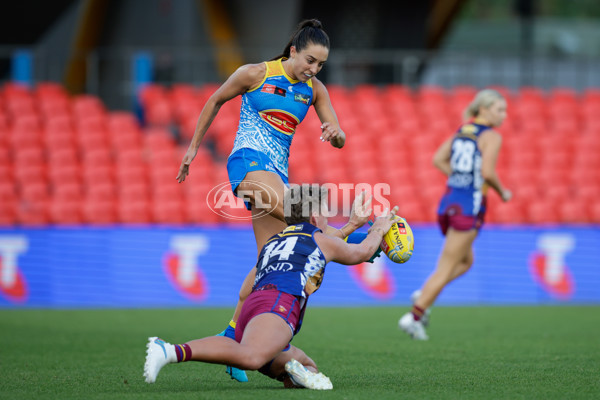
x=489, y=145
x=243, y=79
x=441, y=158
x=330, y=126
x=335, y=249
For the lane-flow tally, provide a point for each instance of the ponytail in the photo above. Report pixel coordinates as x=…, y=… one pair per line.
x=484, y=98
x=308, y=31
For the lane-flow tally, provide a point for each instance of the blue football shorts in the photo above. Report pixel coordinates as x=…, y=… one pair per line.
x=246, y=160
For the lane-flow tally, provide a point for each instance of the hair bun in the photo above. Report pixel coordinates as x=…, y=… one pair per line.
x=313, y=23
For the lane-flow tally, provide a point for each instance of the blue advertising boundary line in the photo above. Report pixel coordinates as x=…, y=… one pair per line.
x=203, y=266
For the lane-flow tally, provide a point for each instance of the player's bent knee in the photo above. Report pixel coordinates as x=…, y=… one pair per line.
x=254, y=362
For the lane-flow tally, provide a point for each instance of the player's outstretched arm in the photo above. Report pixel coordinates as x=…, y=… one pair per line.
x=243, y=79
x=335, y=249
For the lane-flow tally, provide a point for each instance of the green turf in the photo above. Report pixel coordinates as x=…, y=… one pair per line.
x=474, y=353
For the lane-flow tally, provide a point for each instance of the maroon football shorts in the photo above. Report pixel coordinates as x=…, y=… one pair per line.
x=259, y=302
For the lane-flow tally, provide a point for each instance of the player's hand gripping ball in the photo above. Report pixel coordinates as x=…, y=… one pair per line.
x=398, y=243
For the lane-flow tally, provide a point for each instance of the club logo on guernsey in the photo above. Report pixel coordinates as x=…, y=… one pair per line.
x=281, y=120
x=181, y=265
x=12, y=281
x=302, y=98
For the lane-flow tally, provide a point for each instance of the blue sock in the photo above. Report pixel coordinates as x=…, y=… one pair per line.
x=357, y=237
x=235, y=373
x=230, y=332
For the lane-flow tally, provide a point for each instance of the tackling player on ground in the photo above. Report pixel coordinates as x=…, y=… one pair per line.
x=290, y=268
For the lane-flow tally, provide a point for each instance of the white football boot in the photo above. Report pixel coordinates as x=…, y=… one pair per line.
x=426, y=315
x=158, y=354
x=305, y=378
x=415, y=329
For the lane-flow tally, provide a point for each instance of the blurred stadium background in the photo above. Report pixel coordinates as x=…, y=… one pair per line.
x=99, y=100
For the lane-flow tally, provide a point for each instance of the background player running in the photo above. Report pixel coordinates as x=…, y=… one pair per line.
x=469, y=160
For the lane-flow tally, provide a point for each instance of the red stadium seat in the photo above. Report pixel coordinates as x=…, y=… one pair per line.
x=59, y=139
x=66, y=210
x=63, y=156
x=99, y=211
x=119, y=121
x=588, y=193
x=93, y=139
x=158, y=113
x=8, y=213
x=134, y=211
x=88, y=105
x=65, y=191
x=573, y=211
x=6, y=172
x=8, y=192
x=93, y=122
x=29, y=156
x=128, y=174
x=34, y=212
x=594, y=212
x=20, y=105
x=51, y=90
x=100, y=190
x=135, y=189
x=63, y=173
x=101, y=156
x=24, y=138
x=169, y=211
x=158, y=138
x=34, y=191
x=30, y=173
x=26, y=122
x=151, y=92
x=197, y=211
x=34, y=203
x=125, y=139
x=94, y=174
x=54, y=106
x=507, y=213
x=541, y=212
x=558, y=192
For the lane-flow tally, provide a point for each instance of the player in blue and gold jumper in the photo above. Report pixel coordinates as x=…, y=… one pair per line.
x=290, y=268
x=276, y=96
x=468, y=158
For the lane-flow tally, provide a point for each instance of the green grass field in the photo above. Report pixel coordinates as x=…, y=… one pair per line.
x=473, y=353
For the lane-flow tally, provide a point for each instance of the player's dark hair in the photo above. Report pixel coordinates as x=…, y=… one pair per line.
x=308, y=31
x=301, y=201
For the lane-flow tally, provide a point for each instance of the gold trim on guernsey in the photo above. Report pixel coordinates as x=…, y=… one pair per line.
x=279, y=235
x=275, y=68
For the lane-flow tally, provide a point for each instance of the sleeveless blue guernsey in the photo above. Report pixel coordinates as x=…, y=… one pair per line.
x=291, y=262
x=465, y=184
x=270, y=113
